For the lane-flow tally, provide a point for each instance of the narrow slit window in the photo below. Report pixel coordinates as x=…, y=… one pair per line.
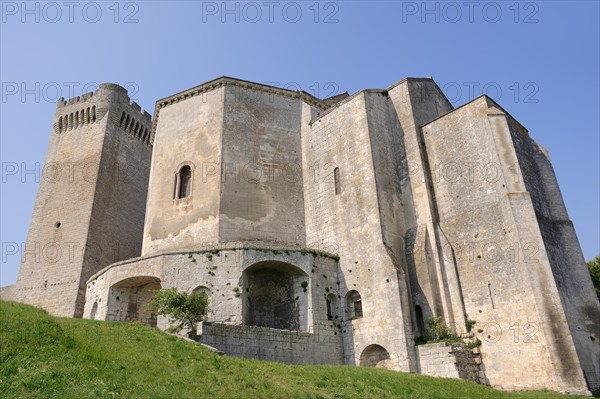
x=336, y=180
x=420, y=320
x=330, y=301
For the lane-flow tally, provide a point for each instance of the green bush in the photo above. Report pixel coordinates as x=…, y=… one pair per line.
x=469, y=324
x=594, y=268
x=184, y=309
x=437, y=331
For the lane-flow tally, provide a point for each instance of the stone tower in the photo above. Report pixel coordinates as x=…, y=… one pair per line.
x=89, y=210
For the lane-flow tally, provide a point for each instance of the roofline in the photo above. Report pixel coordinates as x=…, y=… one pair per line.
x=229, y=81
x=226, y=80
x=476, y=99
x=393, y=86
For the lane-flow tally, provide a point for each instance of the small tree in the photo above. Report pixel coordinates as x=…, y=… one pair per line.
x=594, y=268
x=182, y=308
x=438, y=330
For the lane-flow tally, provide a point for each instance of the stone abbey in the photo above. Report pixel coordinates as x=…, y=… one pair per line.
x=324, y=231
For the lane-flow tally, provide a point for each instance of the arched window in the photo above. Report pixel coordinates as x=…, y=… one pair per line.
x=202, y=289
x=336, y=180
x=354, y=305
x=331, y=306
x=183, y=182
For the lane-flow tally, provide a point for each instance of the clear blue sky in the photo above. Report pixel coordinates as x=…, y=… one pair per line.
x=542, y=56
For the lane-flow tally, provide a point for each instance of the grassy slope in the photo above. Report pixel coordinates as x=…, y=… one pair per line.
x=48, y=357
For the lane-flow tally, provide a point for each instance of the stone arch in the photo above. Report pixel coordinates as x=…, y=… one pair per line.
x=354, y=305
x=275, y=295
x=331, y=302
x=203, y=289
x=94, y=311
x=375, y=356
x=128, y=299
x=183, y=181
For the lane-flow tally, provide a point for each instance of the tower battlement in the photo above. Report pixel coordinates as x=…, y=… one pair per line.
x=81, y=111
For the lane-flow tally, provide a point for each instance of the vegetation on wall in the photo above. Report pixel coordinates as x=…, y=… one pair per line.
x=437, y=331
x=594, y=268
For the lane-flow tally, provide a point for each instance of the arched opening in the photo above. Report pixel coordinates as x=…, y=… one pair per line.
x=336, y=180
x=128, y=300
x=94, y=311
x=354, y=305
x=183, y=182
x=332, y=308
x=275, y=296
x=375, y=356
x=202, y=289
x=420, y=320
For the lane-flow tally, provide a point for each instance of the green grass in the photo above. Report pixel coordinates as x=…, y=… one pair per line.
x=48, y=357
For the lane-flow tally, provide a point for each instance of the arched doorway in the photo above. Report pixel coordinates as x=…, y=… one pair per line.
x=375, y=356
x=128, y=299
x=94, y=311
x=276, y=295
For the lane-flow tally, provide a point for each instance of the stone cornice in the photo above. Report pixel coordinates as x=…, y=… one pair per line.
x=228, y=81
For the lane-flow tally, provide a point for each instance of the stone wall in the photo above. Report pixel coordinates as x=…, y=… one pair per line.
x=337, y=148
x=564, y=252
x=8, y=293
x=451, y=361
x=228, y=276
x=490, y=225
x=271, y=344
x=186, y=133
x=90, y=205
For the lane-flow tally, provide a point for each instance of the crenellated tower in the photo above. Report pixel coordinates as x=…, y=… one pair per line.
x=89, y=210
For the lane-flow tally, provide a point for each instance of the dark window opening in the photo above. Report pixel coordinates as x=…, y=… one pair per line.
x=330, y=301
x=420, y=320
x=336, y=179
x=354, y=305
x=183, y=182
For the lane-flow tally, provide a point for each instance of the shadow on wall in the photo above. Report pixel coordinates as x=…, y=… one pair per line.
x=128, y=300
x=274, y=296
x=375, y=356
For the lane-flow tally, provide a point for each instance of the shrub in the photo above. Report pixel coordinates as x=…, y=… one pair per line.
x=475, y=344
x=437, y=331
x=469, y=324
x=184, y=309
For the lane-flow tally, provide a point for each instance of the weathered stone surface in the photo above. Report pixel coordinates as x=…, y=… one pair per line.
x=90, y=206
x=422, y=210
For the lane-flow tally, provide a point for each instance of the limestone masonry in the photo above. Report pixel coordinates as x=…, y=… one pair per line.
x=323, y=231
